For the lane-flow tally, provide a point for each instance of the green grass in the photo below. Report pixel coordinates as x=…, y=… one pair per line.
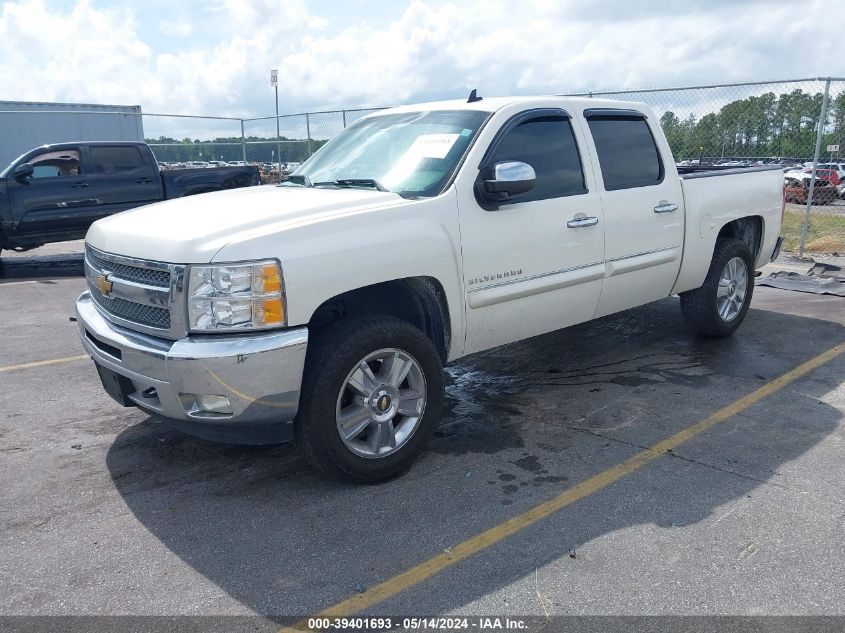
x=825, y=235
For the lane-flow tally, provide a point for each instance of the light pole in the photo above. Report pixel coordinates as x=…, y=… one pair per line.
x=274, y=81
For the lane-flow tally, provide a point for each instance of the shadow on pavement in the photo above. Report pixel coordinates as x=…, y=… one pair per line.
x=522, y=424
x=40, y=266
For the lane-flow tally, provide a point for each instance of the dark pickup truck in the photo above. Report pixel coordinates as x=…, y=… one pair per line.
x=55, y=192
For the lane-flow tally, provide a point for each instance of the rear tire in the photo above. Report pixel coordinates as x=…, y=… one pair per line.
x=372, y=395
x=718, y=307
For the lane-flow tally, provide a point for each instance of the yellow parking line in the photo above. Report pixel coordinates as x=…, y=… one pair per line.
x=41, y=363
x=425, y=570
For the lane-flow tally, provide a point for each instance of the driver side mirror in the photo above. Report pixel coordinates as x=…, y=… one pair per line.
x=510, y=178
x=23, y=171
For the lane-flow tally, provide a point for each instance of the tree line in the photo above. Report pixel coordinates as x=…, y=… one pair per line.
x=230, y=148
x=769, y=125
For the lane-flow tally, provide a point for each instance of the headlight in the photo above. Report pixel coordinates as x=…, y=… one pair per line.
x=236, y=297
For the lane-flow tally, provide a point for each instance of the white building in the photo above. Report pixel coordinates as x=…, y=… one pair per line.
x=24, y=125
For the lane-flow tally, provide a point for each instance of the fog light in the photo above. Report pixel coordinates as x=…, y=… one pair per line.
x=205, y=403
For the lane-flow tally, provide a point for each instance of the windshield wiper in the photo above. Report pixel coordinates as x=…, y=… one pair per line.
x=299, y=179
x=354, y=182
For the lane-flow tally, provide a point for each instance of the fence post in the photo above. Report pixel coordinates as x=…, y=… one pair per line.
x=819, y=134
x=344, y=119
x=243, y=141
x=308, y=132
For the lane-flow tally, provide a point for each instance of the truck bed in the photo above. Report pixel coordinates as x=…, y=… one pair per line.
x=178, y=183
x=713, y=197
x=706, y=171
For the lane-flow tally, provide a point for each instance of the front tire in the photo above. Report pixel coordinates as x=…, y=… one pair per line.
x=718, y=307
x=372, y=395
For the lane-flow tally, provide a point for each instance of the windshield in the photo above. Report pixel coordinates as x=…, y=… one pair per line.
x=413, y=154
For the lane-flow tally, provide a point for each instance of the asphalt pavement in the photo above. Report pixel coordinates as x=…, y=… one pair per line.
x=105, y=511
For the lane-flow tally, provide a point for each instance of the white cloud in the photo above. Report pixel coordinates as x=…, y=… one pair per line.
x=176, y=28
x=97, y=53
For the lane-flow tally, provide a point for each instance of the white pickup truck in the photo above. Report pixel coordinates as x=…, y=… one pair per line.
x=323, y=309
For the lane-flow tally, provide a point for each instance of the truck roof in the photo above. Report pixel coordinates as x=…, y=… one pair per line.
x=492, y=104
x=72, y=144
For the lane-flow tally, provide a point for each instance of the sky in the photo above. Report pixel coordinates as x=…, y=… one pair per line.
x=214, y=57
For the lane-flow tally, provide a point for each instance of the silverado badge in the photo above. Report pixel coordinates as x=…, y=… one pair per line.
x=103, y=285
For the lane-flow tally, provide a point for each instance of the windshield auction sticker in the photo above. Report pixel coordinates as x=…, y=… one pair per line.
x=432, y=145
x=424, y=146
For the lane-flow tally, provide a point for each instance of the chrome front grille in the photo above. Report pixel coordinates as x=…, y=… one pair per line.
x=147, y=276
x=149, y=316
x=139, y=294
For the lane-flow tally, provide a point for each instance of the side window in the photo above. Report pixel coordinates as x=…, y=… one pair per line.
x=54, y=164
x=114, y=160
x=548, y=145
x=627, y=152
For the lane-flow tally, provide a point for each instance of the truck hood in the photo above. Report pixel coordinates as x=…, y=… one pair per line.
x=191, y=230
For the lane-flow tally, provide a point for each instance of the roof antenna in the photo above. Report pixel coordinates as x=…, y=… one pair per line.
x=473, y=96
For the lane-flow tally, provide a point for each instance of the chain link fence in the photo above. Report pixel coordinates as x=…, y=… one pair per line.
x=775, y=123
x=279, y=150
x=738, y=124
x=793, y=124
x=184, y=141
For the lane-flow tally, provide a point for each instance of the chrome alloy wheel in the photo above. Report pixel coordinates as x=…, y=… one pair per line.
x=381, y=403
x=733, y=286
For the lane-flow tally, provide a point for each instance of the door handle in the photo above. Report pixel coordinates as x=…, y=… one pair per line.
x=80, y=185
x=665, y=207
x=577, y=222
x=144, y=181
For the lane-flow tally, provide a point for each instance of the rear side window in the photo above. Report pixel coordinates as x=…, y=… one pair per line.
x=548, y=145
x=114, y=160
x=627, y=152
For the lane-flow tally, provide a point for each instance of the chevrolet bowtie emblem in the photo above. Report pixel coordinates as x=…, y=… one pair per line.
x=103, y=285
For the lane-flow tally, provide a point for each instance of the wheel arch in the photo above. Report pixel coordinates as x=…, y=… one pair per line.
x=748, y=229
x=420, y=301
x=701, y=242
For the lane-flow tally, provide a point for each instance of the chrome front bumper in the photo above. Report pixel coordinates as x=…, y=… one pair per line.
x=259, y=373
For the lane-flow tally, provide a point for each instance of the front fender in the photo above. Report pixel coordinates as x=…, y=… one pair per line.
x=328, y=257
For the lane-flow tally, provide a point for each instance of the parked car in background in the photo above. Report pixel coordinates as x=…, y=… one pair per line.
x=797, y=188
x=325, y=308
x=54, y=193
x=827, y=171
x=840, y=167
x=830, y=175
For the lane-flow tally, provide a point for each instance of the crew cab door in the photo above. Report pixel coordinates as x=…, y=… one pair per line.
x=535, y=263
x=643, y=208
x=54, y=199
x=120, y=177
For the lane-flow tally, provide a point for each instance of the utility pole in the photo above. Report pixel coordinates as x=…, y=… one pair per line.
x=274, y=81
